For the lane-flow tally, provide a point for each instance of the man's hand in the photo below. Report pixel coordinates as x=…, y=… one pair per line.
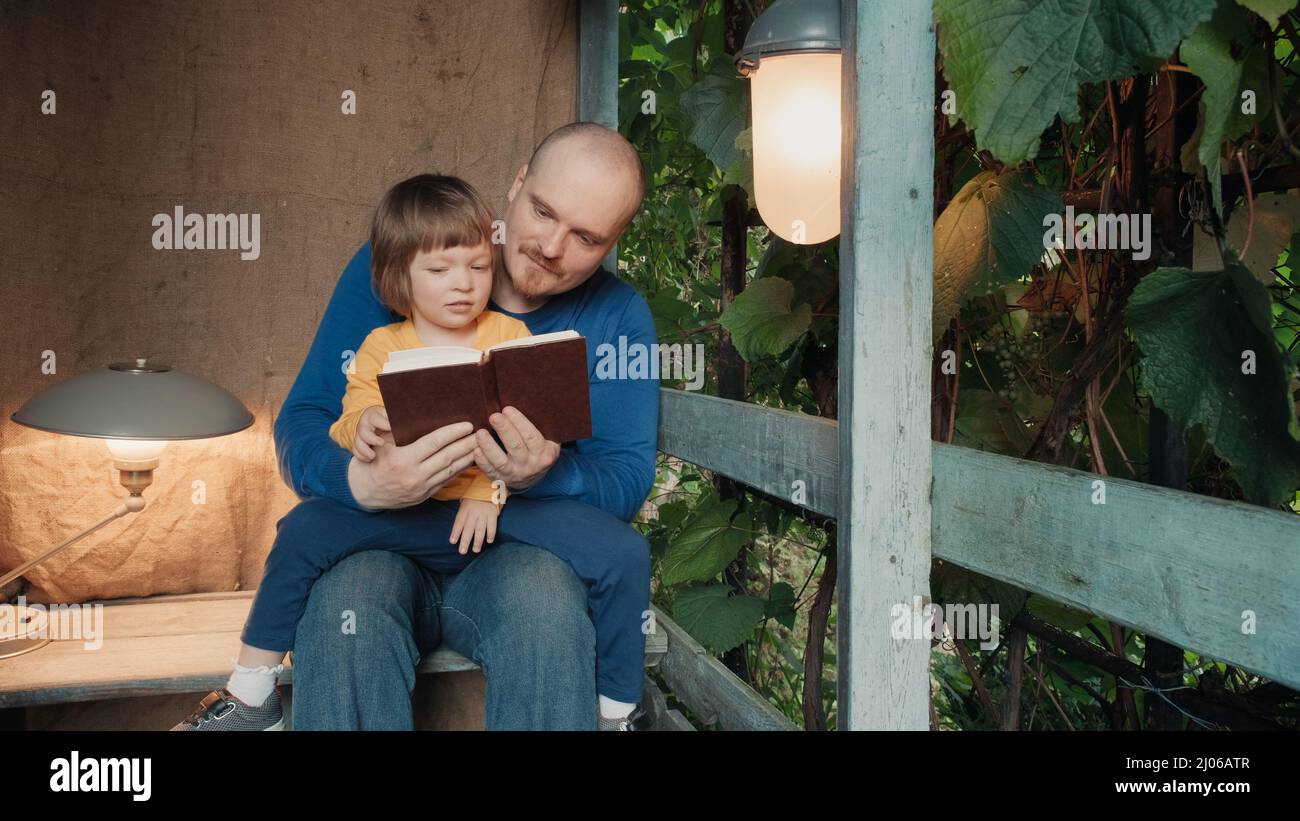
x=527, y=456
x=406, y=476
x=476, y=522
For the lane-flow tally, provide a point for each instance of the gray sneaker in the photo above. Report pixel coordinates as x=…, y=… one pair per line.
x=642, y=717
x=220, y=710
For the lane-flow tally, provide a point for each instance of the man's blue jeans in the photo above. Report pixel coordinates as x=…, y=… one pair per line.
x=608, y=557
x=517, y=610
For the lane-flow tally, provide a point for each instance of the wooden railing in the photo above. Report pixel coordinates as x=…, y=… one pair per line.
x=1196, y=571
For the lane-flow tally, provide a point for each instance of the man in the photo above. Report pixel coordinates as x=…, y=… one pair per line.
x=518, y=611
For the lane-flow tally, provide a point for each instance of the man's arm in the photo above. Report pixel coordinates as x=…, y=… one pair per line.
x=615, y=468
x=362, y=391
x=312, y=463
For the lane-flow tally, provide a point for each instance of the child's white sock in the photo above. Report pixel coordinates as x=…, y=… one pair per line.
x=252, y=685
x=609, y=708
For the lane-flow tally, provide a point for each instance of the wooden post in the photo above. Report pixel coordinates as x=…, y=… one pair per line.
x=886, y=285
x=598, y=74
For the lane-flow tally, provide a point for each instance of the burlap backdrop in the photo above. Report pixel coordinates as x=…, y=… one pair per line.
x=231, y=107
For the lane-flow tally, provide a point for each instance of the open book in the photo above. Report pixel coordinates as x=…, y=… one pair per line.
x=544, y=377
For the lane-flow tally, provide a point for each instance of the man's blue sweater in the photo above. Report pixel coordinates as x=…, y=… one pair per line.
x=612, y=470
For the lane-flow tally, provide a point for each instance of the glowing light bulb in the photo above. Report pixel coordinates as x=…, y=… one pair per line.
x=135, y=450
x=797, y=145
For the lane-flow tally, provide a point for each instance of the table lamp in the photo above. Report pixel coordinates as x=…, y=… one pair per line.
x=136, y=407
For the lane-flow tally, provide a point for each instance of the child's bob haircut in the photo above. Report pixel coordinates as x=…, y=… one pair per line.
x=425, y=213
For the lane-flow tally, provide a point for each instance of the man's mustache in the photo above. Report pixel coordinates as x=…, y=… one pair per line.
x=536, y=257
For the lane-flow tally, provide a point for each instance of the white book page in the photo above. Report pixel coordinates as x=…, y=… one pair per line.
x=435, y=357
x=535, y=340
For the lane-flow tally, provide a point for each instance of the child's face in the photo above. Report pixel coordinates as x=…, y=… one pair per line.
x=450, y=286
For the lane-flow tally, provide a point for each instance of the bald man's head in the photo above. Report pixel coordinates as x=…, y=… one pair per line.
x=568, y=208
x=599, y=145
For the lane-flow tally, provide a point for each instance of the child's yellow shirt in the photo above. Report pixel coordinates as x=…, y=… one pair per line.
x=363, y=388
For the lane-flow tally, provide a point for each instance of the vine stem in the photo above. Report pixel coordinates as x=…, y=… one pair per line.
x=956, y=384
x=1250, y=202
x=1044, y=688
x=1101, y=412
x=977, y=681
x=1282, y=131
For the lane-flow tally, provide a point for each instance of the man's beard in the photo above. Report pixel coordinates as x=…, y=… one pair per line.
x=534, y=284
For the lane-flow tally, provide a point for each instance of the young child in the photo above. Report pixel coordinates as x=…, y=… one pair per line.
x=433, y=262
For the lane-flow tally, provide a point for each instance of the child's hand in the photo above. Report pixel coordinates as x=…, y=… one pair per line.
x=474, y=520
x=370, y=430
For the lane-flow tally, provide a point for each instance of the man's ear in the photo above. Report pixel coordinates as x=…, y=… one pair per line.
x=519, y=181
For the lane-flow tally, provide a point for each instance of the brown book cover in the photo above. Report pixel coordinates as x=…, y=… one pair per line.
x=545, y=381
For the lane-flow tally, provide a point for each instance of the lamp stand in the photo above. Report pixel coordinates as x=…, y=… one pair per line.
x=135, y=475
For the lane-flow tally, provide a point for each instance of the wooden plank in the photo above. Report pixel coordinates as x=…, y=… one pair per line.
x=673, y=720
x=218, y=595
x=159, y=644
x=712, y=691
x=598, y=62
x=656, y=644
x=666, y=720
x=166, y=617
x=1177, y=565
x=1173, y=564
x=598, y=73
x=766, y=448
x=64, y=671
x=659, y=702
x=129, y=666
x=886, y=284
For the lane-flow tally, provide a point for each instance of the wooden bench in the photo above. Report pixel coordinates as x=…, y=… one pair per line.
x=153, y=645
x=183, y=644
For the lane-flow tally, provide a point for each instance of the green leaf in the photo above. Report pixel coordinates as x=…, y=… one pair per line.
x=806, y=267
x=745, y=141
x=668, y=311
x=780, y=604
x=1209, y=54
x=741, y=172
x=1272, y=221
x=671, y=514
x=1270, y=10
x=715, y=618
x=990, y=233
x=636, y=70
x=714, y=31
x=1193, y=328
x=985, y=421
x=707, y=543
x=761, y=320
x=649, y=36
x=787, y=653
x=710, y=288
x=1016, y=64
x=717, y=108
x=679, y=49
